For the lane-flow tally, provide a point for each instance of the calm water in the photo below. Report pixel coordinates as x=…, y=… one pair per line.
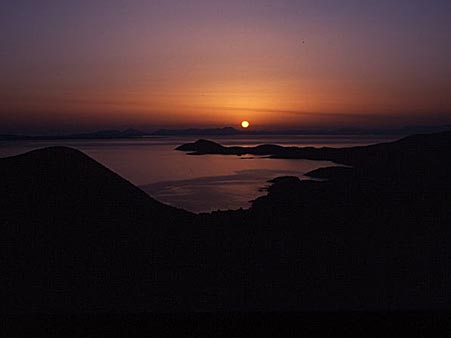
x=196, y=183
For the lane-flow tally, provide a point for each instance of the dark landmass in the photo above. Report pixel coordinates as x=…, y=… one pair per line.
x=101, y=134
x=204, y=147
x=77, y=238
x=128, y=133
x=338, y=172
x=71, y=229
x=361, y=155
x=197, y=131
x=226, y=131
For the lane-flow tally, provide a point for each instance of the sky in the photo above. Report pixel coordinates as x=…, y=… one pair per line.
x=86, y=65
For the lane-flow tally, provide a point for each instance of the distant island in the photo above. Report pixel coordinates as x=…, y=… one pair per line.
x=359, y=156
x=226, y=131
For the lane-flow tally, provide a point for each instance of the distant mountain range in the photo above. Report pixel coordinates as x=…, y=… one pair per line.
x=101, y=134
x=197, y=131
x=226, y=131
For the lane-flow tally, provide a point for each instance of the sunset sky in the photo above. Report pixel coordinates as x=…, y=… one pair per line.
x=84, y=65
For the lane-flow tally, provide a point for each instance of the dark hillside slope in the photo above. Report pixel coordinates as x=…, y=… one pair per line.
x=76, y=235
x=381, y=229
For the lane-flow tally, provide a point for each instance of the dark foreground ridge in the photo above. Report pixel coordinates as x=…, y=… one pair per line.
x=77, y=238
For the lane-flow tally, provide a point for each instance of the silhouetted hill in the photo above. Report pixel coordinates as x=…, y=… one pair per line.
x=76, y=235
x=203, y=147
x=371, y=236
x=100, y=134
x=106, y=134
x=197, y=131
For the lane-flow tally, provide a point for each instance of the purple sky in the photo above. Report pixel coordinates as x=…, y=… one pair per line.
x=78, y=65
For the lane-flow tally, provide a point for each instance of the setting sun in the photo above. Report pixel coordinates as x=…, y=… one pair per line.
x=245, y=124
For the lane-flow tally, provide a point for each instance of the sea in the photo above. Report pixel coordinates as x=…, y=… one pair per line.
x=199, y=183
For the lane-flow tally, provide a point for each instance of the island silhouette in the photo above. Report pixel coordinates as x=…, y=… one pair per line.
x=372, y=234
